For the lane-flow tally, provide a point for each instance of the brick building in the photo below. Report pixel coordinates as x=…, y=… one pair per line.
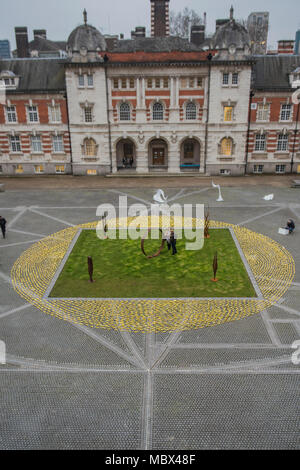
x=158, y=104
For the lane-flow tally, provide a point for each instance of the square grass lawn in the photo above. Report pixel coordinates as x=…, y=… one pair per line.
x=121, y=269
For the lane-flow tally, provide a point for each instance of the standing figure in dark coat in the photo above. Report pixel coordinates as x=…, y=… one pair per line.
x=173, y=242
x=3, y=225
x=290, y=225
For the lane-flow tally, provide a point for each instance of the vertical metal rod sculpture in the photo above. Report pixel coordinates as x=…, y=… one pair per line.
x=206, y=224
x=90, y=268
x=105, y=228
x=215, y=266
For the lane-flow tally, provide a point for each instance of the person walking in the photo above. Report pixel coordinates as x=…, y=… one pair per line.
x=3, y=225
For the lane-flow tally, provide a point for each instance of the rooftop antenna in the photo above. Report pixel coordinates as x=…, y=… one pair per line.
x=85, y=16
x=231, y=12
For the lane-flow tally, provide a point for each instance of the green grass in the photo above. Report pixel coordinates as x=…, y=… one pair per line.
x=121, y=270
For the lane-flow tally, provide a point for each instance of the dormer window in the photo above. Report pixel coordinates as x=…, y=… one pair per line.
x=8, y=79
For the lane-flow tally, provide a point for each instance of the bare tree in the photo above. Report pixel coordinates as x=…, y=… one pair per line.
x=181, y=22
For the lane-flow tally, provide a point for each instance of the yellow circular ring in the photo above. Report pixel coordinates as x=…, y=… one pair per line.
x=272, y=265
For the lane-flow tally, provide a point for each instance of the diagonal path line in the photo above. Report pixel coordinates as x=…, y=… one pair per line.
x=101, y=340
x=18, y=309
x=288, y=309
x=133, y=347
x=20, y=243
x=27, y=233
x=294, y=212
x=121, y=193
x=177, y=195
x=262, y=215
x=50, y=217
x=271, y=331
x=198, y=191
x=14, y=220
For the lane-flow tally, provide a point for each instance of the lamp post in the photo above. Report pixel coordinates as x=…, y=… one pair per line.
x=296, y=101
x=248, y=130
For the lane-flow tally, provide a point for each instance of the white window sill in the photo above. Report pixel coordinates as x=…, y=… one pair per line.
x=59, y=153
x=55, y=122
x=11, y=123
x=286, y=120
x=15, y=153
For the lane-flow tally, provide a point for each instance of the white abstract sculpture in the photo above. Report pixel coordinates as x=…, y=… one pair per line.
x=220, y=199
x=160, y=197
x=268, y=197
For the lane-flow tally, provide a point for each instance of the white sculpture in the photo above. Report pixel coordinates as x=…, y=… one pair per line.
x=268, y=197
x=220, y=199
x=160, y=197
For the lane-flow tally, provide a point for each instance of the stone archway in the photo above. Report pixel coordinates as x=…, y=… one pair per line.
x=158, y=154
x=190, y=155
x=126, y=154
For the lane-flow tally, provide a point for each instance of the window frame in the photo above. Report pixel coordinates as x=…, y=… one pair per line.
x=38, y=143
x=88, y=114
x=188, y=112
x=222, y=147
x=9, y=113
x=286, y=112
x=125, y=115
x=225, y=82
x=260, y=143
x=282, y=143
x=156, y=113
x=56, y=112
x=15, y=140
x=33, y=114
x=226, y=110
x=58, y=139
x=280, y=167
x=264, y=111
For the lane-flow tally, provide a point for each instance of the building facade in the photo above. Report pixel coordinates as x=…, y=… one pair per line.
x=149, y=105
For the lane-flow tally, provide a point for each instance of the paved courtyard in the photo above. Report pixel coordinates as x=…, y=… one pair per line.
x=66, y=385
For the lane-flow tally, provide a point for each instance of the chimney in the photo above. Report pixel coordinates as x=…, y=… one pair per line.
x=40, y=33
x=160, y=18
x=286, y=46
x=140, y=32
x=198, y=34
x=22, y=41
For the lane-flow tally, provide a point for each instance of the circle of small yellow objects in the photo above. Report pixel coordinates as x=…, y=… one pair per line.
x=271, y=264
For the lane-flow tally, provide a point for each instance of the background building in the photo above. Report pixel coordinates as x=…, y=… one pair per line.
x=258, y=28
x=5, y=49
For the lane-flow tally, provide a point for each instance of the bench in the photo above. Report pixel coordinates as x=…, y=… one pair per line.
x=189, y=165
x=1, y=188
x=296, y=184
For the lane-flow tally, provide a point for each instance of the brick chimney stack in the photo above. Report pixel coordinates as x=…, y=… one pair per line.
x=22, y=41
x=160, y=18
x=41, y=33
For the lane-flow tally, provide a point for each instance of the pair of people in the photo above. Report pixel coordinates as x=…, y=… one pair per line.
x=171, y=241
x=290, y=225
x=3, y=225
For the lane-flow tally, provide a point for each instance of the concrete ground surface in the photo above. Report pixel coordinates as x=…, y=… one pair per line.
x=68, y=386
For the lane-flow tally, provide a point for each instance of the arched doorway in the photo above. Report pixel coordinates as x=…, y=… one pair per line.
x=158, y=154
x=190, y=155
x=126, y=154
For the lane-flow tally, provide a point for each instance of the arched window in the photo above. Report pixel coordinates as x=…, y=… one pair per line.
x=89, y=148
x=226, y=146
x=191, y=111
x=158, y=112
x=124, y=112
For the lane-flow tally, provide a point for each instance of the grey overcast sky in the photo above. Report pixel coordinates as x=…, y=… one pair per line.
x=60, y=17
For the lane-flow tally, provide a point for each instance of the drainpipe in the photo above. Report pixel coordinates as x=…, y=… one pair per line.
x=68, y=118
x=105, y=58
x=295, y=137
x=209, y=58
x=248, y=131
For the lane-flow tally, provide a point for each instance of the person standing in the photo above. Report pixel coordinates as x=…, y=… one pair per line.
x=3, y=225
x=173, y=242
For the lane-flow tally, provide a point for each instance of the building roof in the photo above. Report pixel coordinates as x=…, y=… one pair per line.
x=36, y=74
x=45, y=45
x=231, y=33
x=88, y=37
x=155, y=44
x=272, y=72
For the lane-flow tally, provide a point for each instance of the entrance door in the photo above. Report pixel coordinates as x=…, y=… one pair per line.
x=128, y=155
x=158, y=154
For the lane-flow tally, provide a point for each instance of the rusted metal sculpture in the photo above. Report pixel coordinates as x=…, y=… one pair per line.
x=215, y=266
x=206, y=224
x=159, y=250
x=90, y=268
